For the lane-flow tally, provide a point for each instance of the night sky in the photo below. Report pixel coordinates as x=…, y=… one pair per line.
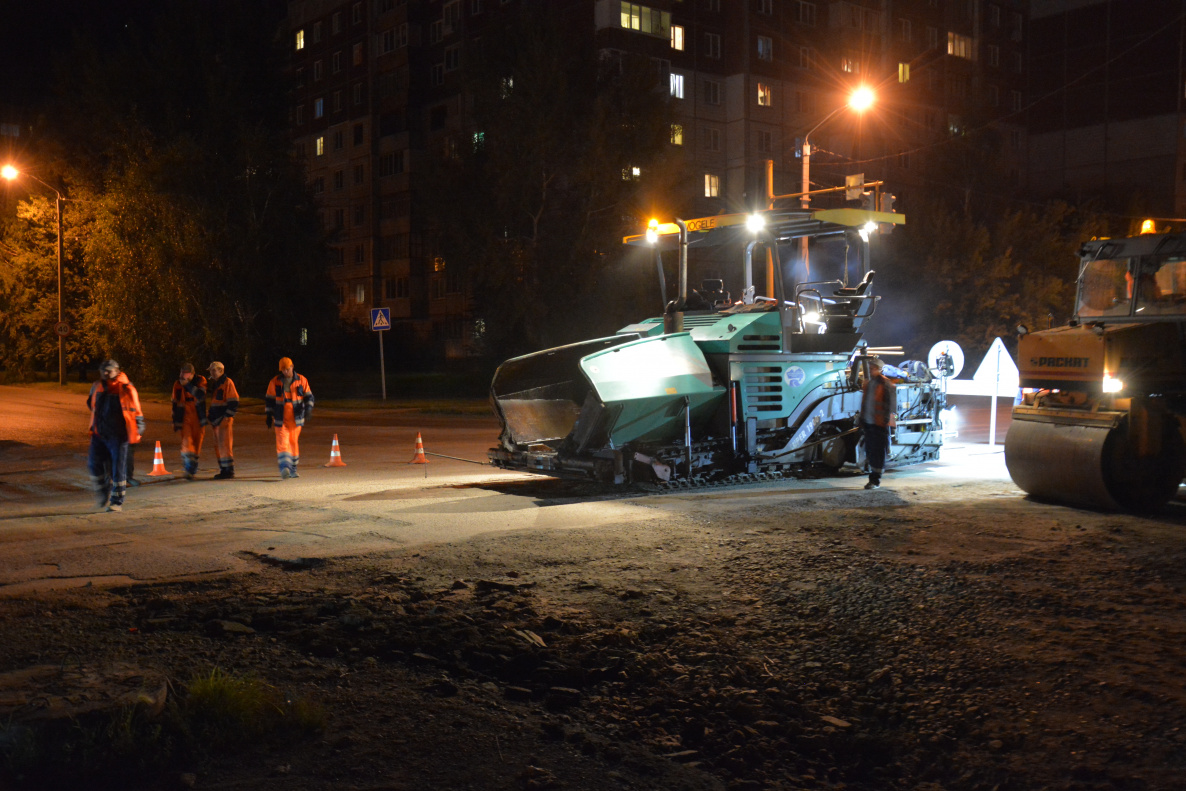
x=35, y=34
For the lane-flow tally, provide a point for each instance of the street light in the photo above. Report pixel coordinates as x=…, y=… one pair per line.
x=859, y=100
x=653, y=240
x=10, y=173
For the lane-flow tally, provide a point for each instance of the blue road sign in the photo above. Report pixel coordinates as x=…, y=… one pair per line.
x=380, y=319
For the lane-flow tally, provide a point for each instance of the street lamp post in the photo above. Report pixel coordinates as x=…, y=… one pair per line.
x=10, y=173
x=860, y=100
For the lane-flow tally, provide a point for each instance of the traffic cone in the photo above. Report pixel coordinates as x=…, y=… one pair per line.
x=158, y=463
x=335, y=455
x=419, y=457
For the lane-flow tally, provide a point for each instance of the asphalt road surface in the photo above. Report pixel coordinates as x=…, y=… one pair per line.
x=53, y=536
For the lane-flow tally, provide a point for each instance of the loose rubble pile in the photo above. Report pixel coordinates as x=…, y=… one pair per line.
x=909, y=647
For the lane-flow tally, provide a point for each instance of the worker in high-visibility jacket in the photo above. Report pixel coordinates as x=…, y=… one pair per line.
x=288, y=403
x=223, y=404
x=116, y=423
x=189, y=416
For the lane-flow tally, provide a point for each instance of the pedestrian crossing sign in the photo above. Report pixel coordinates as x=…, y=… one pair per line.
x=380, y=319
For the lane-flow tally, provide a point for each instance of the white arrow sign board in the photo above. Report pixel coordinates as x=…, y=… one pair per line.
x=997, y=372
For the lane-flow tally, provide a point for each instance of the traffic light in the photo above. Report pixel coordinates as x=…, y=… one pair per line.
x=887, y=202
x=868, y=201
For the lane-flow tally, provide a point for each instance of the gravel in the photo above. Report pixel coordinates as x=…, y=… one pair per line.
x=889, y=641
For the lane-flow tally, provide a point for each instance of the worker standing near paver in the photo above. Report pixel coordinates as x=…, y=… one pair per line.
x=224, y=403
x=189, y=416
x=289, y=403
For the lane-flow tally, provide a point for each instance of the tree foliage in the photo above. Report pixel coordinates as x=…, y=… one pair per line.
x=534, y=206
x=972, y=279
x=192, y=233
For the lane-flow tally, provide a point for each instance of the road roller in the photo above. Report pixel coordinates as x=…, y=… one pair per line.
x=1103, y=410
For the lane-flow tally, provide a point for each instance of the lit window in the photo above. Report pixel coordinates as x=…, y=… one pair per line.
x=712, y=185
x=360, y=293
x=903, y=72
x=765, y=48
x=764, y=98
x=960, y=46
x=677, y=37
x=320, y=146
x=318, y=108
x=677, y=134
x=644, y=19
x=850, y=65
x=677, y=85
x=300, y=39
x=631, y=173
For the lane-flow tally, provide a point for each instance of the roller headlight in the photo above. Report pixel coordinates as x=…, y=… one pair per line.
x=1112, y=385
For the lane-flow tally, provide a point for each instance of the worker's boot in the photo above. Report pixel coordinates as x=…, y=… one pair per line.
x=225, y=473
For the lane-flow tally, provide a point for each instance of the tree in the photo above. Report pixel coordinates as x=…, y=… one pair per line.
x=972, y=280
x=197, y=235
x=534, y=204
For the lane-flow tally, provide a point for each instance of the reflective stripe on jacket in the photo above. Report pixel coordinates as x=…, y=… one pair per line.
x=193, y=394
x=129, y=401
x=224, y=399
x=885, y=399
x=298, y=393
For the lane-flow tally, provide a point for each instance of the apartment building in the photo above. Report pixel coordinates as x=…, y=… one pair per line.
x=1107, y=118
x=380, y=89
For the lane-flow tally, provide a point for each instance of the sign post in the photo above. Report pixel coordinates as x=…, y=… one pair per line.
x=380, y=323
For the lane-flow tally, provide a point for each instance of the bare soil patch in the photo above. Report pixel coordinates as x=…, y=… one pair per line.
x=962, y=639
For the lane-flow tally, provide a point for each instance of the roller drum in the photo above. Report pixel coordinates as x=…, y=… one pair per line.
x=1091, y=466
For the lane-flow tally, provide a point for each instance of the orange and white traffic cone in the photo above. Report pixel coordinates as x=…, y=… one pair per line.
x=335, y=455
x=419, y=458
x=158, y=463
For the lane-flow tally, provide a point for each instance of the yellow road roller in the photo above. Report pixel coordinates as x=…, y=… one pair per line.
x=1100, y=424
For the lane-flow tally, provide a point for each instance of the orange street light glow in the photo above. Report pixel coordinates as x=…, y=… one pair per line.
x=9, y=172
x=861, y=99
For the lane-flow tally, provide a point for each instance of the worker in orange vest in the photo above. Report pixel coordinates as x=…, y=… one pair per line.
x=116, y=422
x=288, y=404
x=224, y=403
x=189, y=416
